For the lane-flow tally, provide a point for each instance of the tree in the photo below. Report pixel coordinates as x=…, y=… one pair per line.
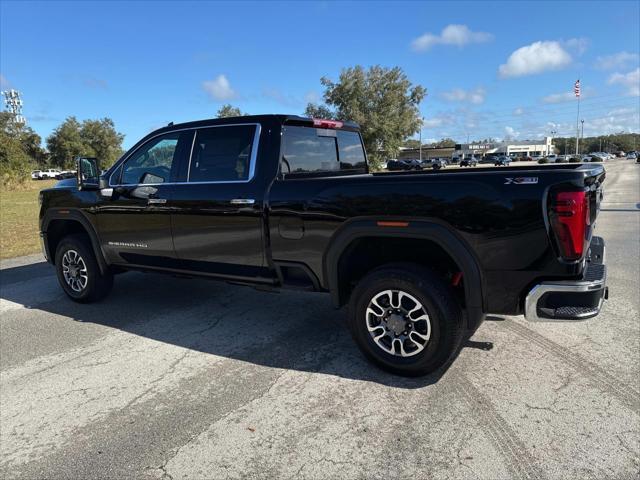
x=101, y=137
x=318, y=111
x=19, y=150
x=65, y=143
x=411, y=143
x=29, y=140
x=445, y=143
x=382, y=100
x=610, y=143
x=91, y=138
x=229, y=110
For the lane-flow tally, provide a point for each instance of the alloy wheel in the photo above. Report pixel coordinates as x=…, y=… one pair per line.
x=74, y=271
x=398, y=323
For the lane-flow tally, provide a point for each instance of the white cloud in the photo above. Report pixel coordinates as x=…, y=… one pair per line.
x=475, y=96
x=579, y=45
x=559, y=97
x=510, y=132
x=535, y=58
x=518, y=111
x=630, y=80
x=219, y=88
x=459, y=35
x=612, y=123
x=568, y=96
x=433, y=122
x=4, y=83
x=616, y=60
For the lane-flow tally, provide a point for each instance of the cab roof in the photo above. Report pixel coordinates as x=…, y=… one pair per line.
x=273, y=119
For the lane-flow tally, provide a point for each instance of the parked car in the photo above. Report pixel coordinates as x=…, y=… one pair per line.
x=50, y=173
x=469, y=162
x=562, y=158
x=435, y=163
x=393, y=165
x=598, y=157
x=260, y=200
x=488, y=159
x=502, y=161
x=36, y=175
x=632, y=156
x=66, y=174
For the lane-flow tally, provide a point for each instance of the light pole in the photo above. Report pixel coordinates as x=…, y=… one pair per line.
x=549, y=147
x=420, y=147
x=582, y=133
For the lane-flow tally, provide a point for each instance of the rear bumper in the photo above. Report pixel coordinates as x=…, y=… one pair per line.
x=571, y=300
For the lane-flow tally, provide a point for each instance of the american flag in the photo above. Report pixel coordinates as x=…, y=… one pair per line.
x=576, y=88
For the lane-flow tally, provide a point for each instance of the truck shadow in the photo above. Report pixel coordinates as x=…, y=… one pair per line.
x=287, y=330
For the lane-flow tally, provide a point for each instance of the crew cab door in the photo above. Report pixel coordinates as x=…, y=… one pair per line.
x=217, y=213
x=135, y=222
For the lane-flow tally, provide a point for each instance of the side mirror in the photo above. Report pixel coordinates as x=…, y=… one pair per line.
x=88, y=173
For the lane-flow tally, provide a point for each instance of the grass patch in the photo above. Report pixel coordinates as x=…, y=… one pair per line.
x=19, y=219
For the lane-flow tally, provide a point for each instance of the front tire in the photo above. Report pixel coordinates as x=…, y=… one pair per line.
x=78, y=271
x=405, y=319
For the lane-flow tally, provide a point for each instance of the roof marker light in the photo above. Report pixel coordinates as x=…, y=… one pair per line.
x=322, y=123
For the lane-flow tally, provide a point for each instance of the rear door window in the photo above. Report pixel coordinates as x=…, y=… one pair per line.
x=222, y=154
x=307, y=150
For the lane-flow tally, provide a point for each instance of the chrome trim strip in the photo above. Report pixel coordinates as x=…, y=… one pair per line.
x=252, y=160
x=193, y=143
x=243, y=201
x=536, y=293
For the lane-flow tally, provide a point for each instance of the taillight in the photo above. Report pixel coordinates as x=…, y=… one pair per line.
x=319, y=122
x=569, y=216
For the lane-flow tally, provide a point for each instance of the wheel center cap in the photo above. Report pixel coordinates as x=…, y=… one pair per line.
x=397, y=323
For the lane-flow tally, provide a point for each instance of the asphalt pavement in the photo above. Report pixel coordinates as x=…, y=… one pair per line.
x=193, y=379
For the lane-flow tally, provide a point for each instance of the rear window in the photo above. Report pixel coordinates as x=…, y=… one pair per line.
x=307, y=150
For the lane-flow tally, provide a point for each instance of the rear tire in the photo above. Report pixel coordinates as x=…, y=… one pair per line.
x=395, y=340
x=78, y=271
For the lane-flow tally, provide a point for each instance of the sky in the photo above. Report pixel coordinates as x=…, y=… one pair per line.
x=499, y=70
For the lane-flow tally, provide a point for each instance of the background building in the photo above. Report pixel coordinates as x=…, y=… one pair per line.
x=524, y=148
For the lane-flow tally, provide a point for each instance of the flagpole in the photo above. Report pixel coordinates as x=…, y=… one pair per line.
x=577, y=119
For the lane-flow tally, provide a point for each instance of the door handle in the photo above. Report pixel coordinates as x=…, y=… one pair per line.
x=243, y=201
x=156, y=201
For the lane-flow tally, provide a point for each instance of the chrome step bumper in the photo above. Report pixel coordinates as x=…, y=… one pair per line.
x=571, y=300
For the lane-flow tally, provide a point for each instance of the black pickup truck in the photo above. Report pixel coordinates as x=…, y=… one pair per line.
x=280, y=201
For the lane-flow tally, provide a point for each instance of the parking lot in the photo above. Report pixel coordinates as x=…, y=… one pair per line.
x=173, y=378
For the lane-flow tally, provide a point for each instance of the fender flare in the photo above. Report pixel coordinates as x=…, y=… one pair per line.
x=77, y=216
x=457, y=248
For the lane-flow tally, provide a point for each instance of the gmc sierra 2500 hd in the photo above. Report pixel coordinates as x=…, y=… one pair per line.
x=284, y=201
